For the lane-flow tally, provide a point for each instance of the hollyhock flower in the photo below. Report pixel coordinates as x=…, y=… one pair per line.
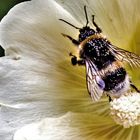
x=42, y=96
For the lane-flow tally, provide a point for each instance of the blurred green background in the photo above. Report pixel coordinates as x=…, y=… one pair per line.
x=5, y=6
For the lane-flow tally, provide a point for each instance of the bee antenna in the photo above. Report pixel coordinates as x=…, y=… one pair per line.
x=69, y=24
x=86, y=15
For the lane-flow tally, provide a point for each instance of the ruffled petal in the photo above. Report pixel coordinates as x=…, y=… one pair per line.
x=31, y=70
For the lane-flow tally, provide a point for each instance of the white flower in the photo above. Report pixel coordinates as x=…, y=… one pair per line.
x=38, y=84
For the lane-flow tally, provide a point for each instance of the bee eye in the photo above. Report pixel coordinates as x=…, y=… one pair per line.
x=81, y=30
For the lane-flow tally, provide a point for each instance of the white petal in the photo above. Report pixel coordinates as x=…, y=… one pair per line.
x=70, y=126
x=30, y=71
x=79, y=126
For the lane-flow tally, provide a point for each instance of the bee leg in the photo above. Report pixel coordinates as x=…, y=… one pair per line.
x=98, y=29
x=81, y=62
x=109, y=98
x=75, y=42
x=134, y=87
x=74, y=60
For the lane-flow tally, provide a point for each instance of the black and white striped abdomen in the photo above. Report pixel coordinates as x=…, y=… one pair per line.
x=113, y=78
x=116, y=82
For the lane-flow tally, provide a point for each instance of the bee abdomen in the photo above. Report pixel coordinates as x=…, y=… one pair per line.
x=114, y=78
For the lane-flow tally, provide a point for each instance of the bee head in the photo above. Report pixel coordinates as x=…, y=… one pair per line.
x=85, y=32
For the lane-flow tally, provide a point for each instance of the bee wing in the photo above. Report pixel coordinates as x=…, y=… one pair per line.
x=123, y=55
x=95, y=84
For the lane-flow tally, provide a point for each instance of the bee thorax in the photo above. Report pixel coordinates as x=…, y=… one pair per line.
x=97, y=49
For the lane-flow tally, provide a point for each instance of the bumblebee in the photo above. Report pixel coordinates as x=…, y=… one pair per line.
x=105, y=72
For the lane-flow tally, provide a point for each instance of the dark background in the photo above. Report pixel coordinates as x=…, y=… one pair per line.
x=5, y=6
